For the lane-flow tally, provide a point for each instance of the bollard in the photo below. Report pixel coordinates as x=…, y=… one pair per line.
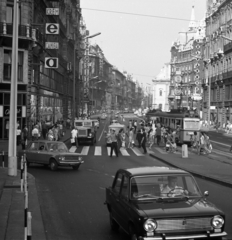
x=29, y=226
x=184, y=151
x=25, y=215
x=21, y=174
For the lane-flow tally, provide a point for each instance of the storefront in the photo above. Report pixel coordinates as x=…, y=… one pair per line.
x=5, y=113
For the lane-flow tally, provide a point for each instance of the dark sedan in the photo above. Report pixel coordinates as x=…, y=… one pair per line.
x=49, y=153
x=158, y=203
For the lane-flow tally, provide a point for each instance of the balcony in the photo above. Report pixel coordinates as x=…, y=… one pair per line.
x=228, y=47
x=25, y=32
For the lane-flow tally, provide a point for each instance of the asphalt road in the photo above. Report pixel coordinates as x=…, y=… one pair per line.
x=72, y=202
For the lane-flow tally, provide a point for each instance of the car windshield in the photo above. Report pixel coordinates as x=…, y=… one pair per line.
x=166, y=186
x=57, y=147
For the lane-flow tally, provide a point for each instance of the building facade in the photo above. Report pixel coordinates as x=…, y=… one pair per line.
x=160, y=89
x=43, y=93
x=217, y=84
x=187, y=66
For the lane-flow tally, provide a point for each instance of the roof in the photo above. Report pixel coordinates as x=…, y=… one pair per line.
x=153, y=170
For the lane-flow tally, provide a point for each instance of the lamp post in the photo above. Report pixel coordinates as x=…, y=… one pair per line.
x=86, y=82
x=12, y=148
x=92, y=93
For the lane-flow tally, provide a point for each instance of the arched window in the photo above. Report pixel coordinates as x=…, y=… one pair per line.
x=160, y=92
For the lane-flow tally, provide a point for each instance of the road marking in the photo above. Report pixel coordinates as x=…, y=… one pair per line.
x=220, y=143
x=124, y=152
x=73, y=149
x=85, y=150
x=137, y=152
x=98, y=151
x=108, y=151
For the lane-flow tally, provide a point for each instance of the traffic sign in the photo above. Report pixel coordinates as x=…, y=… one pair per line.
x=52, y=28
x=51, y=62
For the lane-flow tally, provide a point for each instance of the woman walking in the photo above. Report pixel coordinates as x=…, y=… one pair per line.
x=131, y=138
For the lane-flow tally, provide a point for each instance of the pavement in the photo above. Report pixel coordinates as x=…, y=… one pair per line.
x=214, y=167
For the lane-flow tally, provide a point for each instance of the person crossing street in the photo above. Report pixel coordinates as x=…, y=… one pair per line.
x=114, y=143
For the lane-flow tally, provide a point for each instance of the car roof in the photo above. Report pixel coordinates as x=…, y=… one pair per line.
x=138, y=171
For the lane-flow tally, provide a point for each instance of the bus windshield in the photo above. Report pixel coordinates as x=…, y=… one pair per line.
x=192, y=124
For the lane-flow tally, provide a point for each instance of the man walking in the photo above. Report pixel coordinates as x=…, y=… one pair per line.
x=143, y=141
x=158, y=134
x=114, y=144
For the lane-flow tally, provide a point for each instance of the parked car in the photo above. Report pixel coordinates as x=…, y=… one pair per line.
x=145, y=205
x=50, y=153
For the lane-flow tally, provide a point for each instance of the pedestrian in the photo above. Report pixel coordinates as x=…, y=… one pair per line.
x=50, y=136
x=44, y=130
x=131, y=138
x=139, y=137
x=74, y=136
x=24, y=137
x=35, y=133
x=151, y=138
x=158, y=134
x=55, y=132
x=135, y=126
x=114, y=144
x=202, y=143
x=18, y=135
x=123, y=137
x=143, y=141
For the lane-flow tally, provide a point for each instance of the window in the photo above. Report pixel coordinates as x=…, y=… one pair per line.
x=7, y=65
x=118, y=183
x=10, y=14
x=161, y=92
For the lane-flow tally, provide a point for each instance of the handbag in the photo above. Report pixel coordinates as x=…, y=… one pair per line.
x=72, y=140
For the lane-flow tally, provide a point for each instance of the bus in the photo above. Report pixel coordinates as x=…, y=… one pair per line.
x=186, y=123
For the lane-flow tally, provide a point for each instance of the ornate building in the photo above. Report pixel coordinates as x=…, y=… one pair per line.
x=160, y=89
x=187, y=67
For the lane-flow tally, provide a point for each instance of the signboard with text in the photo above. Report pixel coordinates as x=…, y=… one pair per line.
x=7, y=111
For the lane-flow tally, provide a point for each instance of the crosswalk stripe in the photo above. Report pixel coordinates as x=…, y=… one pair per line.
x=108, y=151
x=73, y=149
x=137, y=152
x=124, y=152
x=149, y=151
x=85, y=150
x=98, y=151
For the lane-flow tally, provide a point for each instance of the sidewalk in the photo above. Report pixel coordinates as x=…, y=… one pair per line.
x=214, y=167
x=12, y=202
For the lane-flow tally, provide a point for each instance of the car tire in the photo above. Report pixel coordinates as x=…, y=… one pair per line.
x=75, y=167
x=53, y=165
x=113, y=224
x=132, y=233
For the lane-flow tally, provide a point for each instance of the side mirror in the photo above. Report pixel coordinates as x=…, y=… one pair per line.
x=206, y=193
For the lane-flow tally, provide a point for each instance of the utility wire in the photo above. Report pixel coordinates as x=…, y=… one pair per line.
x=137, y=14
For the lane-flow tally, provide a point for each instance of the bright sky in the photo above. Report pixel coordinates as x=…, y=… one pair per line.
x=138, y=44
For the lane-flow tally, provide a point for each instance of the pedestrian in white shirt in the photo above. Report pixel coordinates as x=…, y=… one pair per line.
x=74, y=134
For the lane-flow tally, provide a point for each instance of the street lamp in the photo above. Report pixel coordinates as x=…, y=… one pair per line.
x=92, y=93
x=86, y=85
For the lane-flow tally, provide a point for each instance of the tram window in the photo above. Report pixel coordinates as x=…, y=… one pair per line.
x=191, y=124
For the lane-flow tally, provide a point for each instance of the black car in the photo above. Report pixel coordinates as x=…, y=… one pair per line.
x=158, y=203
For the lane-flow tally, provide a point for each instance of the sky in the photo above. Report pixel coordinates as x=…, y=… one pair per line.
x=139, y=43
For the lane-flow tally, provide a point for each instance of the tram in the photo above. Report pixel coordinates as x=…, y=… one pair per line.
x=186, y=123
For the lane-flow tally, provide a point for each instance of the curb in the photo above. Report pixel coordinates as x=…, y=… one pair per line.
x=216, y=180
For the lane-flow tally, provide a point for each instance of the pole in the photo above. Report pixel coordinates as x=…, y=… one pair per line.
x=12, y=148
x=74, y=80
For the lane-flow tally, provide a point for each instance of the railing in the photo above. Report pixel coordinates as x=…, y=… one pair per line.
x=24, y=31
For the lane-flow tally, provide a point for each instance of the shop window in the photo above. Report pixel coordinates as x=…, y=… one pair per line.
x=7, y=65
x=19, y=101
x=1, y=98
x=6, y=99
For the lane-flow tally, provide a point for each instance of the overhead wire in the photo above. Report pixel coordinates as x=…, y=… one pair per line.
x=138, y=14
